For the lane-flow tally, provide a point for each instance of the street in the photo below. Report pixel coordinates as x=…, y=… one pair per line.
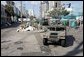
x=27, y=25
x=30, y=43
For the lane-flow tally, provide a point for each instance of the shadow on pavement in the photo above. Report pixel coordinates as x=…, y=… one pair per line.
x=12, y=25
x=69, y=41
x=75, y=51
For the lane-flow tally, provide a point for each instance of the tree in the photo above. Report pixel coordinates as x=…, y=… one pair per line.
x=53, y=13
x=64, y=12
x=58, y=12
x=9, y=9
x=32, y=20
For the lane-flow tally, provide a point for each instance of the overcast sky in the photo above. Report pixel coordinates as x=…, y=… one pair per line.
x=76, y=5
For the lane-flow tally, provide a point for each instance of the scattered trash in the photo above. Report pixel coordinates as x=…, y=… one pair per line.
x=21, y=28
x=30, y=28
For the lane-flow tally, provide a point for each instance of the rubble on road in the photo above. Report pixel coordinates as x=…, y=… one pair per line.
x=30, y=28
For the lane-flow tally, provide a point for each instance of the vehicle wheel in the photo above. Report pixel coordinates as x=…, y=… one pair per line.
x=45, y=41
x=63, y=43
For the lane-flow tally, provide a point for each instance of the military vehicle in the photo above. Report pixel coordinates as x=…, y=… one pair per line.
x=55, y=34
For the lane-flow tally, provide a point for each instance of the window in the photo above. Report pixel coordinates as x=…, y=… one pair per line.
x=69, y=5
x=55, y=4
x=12, y=3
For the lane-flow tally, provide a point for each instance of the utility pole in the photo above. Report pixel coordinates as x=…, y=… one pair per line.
x=40, y=9
x=21, y=12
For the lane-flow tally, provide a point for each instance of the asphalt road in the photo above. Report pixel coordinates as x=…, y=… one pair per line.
x=31, y=44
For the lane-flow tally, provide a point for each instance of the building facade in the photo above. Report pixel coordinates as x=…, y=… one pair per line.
x=3, y=14
x=16, y=14
x=44, y=8
x=48, y=5
x=11, y=3
x=31, y=12
x=22, y=9
x=54, y=4
x=16, y=11
x=27, y=15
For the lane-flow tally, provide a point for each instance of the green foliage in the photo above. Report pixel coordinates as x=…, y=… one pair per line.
x=32, y=20
x=9, y=9
x=64, y=12
x=58, y=12
x=37, y=21
x=31, y=17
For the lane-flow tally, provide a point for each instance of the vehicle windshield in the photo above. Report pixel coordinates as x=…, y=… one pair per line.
x=60, y=29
